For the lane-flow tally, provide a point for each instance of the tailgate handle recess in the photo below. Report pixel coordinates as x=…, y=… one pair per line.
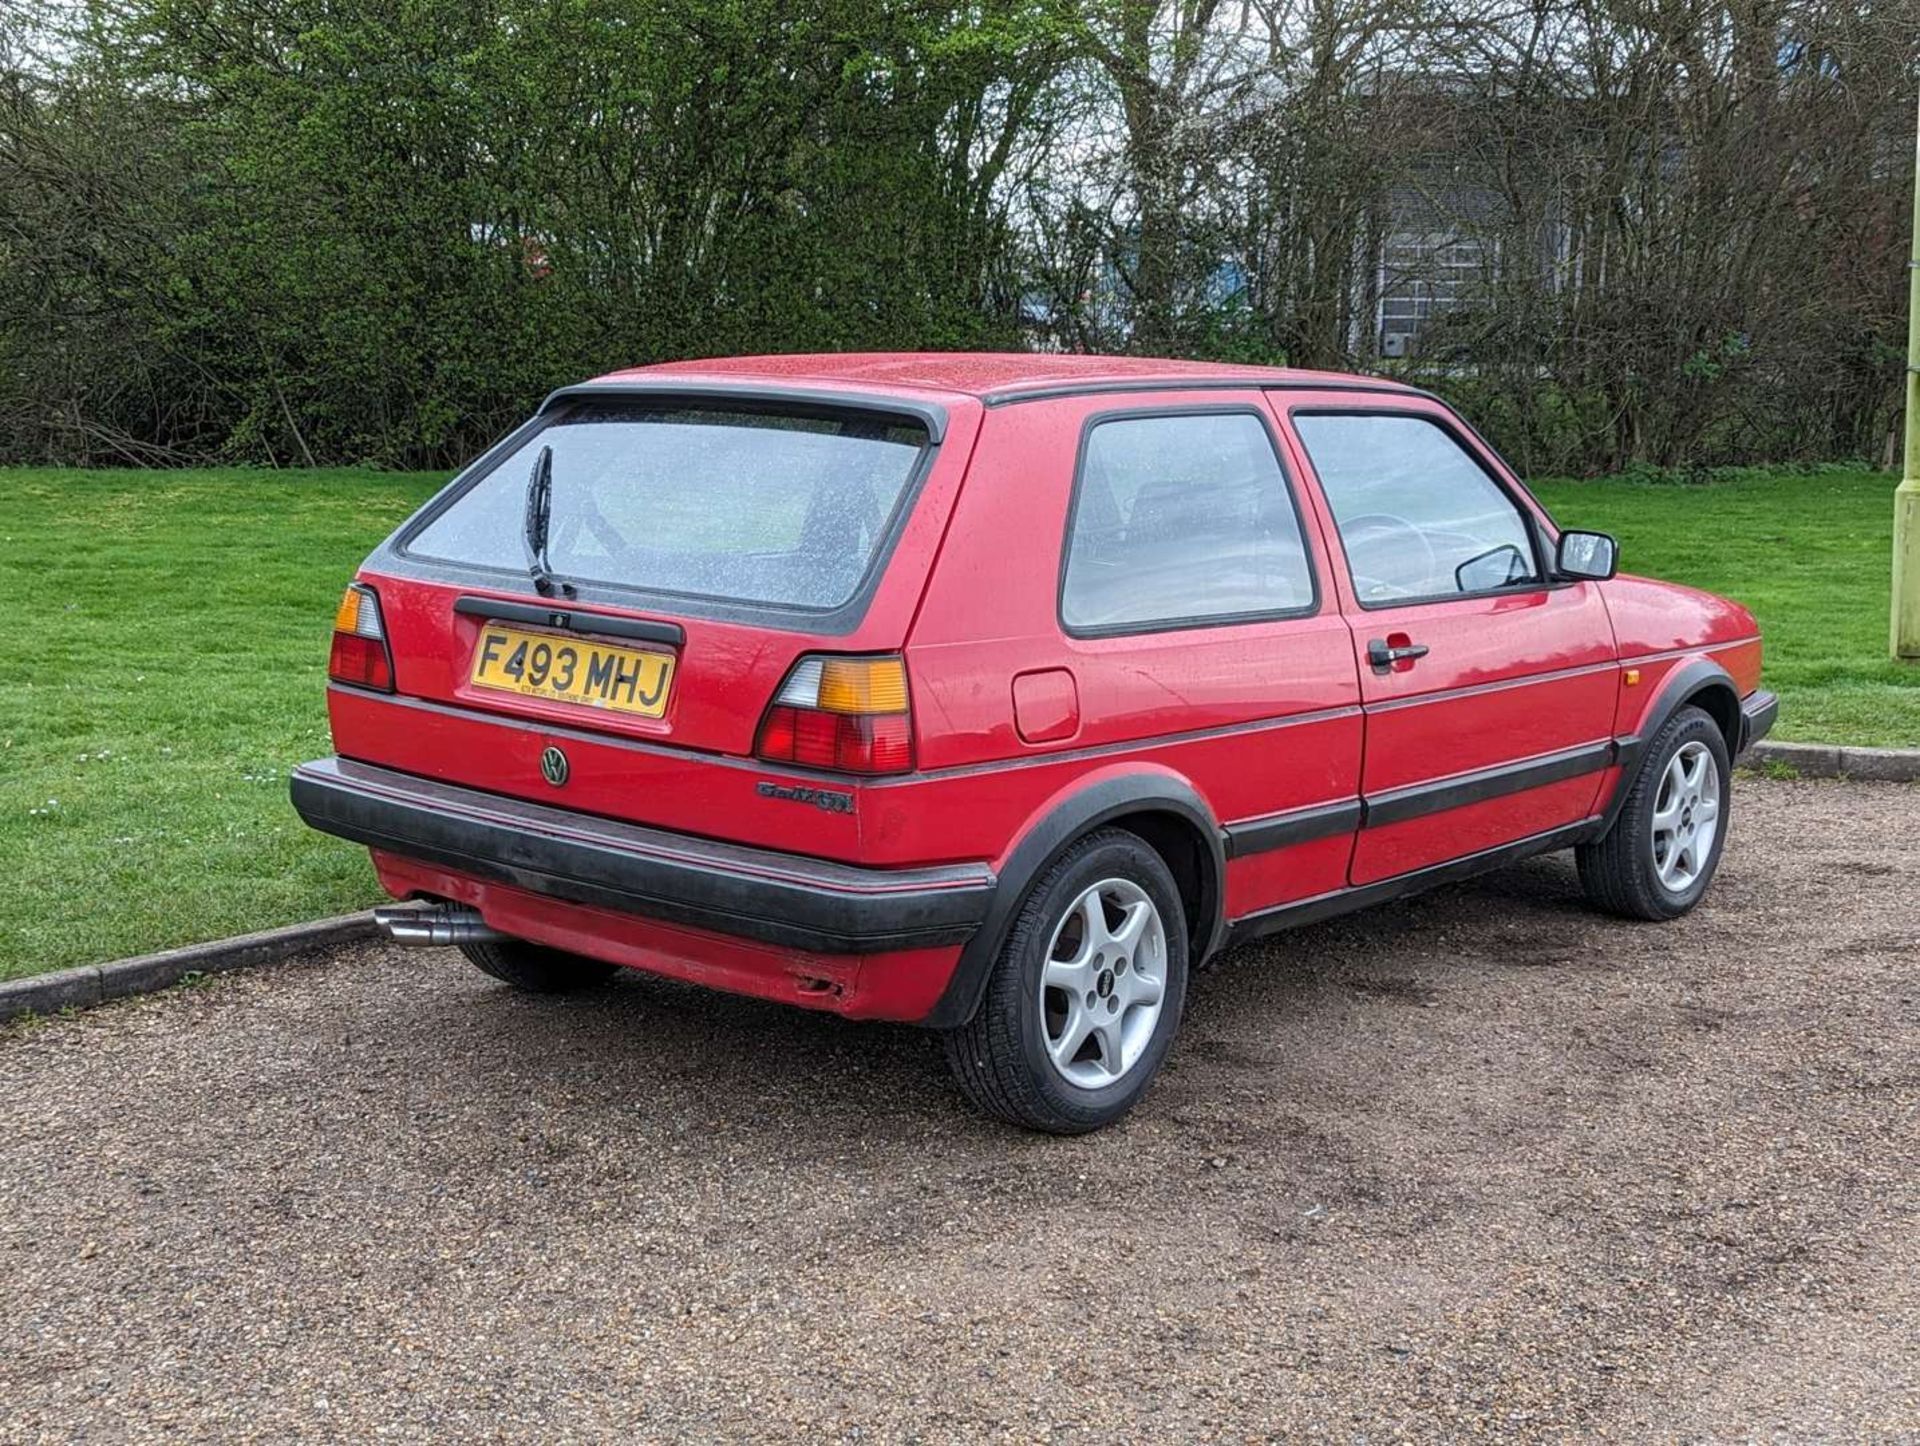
x=572, y=620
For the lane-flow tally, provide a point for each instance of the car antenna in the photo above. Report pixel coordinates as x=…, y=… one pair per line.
x=539, y=518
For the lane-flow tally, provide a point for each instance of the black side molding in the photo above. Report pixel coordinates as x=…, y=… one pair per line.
x=1304, y=825
x=573, y=620
x=776, y=898
x=1295, y=826
x=1419, y=799
x=1346, y=901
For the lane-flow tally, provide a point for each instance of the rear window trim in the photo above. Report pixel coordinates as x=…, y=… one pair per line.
x=1154, y=626
x=396, y=557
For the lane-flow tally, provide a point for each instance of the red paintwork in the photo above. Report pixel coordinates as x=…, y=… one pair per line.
x=1551, y=653
x=939, y=376
x=1257, y=718
x=903, y=985
x=1046, y=706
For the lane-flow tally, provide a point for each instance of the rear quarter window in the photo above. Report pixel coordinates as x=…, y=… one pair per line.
x=1180, y=520
x=733, y=504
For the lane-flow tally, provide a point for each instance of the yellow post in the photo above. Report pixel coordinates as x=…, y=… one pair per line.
x=1905, y=631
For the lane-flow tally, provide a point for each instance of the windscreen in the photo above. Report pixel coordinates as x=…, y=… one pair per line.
x=727, y=503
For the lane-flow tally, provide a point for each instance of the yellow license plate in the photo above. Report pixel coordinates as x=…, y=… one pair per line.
x=539, y=665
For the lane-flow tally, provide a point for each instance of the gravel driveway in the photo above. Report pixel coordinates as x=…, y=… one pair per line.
x=1481, y=1164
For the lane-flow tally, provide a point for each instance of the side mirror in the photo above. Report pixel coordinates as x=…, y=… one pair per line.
x=1587, y=556
x=1502, y=567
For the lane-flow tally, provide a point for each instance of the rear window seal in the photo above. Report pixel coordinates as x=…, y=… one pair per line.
x=394, y=558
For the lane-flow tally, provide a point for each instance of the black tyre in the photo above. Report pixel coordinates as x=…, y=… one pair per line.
x=1659, y=857
x=1085, y=995
x=537, y=970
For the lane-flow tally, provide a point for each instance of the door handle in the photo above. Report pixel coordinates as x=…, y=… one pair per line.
x=1383, y=655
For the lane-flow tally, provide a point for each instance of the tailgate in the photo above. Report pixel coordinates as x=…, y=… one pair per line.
x=804, y=531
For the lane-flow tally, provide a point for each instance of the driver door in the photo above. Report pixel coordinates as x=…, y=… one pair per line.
x=1488, y=690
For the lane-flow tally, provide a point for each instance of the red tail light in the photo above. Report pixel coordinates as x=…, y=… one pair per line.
x=846, y=715
x=360, y=655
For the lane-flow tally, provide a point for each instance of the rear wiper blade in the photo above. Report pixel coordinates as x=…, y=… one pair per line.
x=539, y=520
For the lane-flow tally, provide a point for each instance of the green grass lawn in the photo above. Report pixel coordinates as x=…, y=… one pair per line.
x=1810, y=554
x=162, y=660
x=162, y=666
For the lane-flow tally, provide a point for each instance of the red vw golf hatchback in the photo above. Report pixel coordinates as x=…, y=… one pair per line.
x=998, y=693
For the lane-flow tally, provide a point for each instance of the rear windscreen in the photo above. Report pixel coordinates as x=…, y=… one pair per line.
x=740, y=505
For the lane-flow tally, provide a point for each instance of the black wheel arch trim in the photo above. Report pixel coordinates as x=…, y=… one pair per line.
x=1684, y=685
x=1100, y=802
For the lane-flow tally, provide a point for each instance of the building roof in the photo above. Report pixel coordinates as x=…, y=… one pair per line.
x=988, y=375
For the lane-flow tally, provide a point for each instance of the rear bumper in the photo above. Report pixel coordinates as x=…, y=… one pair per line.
x=773, y=898
x=1757, y=712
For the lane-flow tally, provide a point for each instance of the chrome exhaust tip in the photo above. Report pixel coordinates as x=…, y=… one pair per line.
x=435, y=925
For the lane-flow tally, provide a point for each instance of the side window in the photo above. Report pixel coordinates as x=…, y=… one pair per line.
x=1417, y=515
x=1178, y=519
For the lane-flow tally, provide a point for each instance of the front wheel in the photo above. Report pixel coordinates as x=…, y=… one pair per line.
x=1660, y=855
x=1086, y=994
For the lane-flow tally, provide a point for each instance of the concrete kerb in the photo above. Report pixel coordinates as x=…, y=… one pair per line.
x=1828, y=760
x=95, y=983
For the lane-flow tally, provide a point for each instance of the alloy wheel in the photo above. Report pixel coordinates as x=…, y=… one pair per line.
x=1103, y=984
x=1686, y=817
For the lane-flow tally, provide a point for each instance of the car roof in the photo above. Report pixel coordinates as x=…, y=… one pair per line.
x=993, y=376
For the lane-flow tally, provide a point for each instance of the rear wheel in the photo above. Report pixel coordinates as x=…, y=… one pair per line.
x=1086, y=994
x=1660, y=855
x=535, y=969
